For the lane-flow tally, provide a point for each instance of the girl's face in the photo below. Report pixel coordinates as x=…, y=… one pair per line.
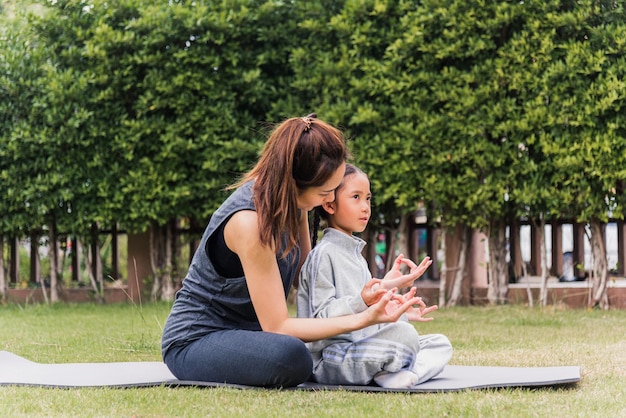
x=351, y=210
x=315, y=196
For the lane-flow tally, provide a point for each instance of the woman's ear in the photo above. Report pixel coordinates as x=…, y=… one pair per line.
x=329, y=207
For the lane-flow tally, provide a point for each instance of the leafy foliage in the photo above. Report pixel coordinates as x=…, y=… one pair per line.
x=139, y=112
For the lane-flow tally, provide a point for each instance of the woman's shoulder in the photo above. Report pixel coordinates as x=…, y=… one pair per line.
x=244, y=219
x=239, y=232
x=242, y=223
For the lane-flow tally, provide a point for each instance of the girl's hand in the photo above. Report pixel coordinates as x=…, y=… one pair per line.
x=395, y=278
x=418, y=311
x=372, y=292
x=418, y=314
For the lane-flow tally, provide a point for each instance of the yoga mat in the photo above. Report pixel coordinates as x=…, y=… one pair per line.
x=16, y=370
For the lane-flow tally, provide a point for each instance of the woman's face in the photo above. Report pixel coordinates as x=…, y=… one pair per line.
x=312, y=197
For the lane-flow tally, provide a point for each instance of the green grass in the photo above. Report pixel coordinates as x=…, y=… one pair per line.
x=496, y=336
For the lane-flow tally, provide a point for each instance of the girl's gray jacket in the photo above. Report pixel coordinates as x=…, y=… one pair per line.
x=331, y=280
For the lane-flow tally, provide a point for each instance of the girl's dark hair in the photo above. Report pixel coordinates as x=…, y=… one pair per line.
x=299, y=153
x=319, y=213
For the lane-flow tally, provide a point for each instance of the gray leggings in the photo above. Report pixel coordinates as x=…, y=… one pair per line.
x=253, y=358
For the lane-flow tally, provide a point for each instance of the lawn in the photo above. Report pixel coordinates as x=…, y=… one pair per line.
x=496, y=336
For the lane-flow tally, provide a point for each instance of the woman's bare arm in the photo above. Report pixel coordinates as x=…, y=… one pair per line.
x=267, y=294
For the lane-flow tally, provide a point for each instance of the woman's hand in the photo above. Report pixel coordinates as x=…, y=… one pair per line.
x=391, y=306
x=395, y=278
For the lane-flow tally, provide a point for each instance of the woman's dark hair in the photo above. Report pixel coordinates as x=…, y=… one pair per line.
x=299, y=153
x=319, y=213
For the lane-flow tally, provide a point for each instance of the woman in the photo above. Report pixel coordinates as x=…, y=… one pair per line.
x=229, y=322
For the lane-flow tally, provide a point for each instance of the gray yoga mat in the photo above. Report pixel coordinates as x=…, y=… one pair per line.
x=16, y=370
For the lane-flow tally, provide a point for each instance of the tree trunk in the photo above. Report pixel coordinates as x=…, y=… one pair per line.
x=456, y=293
x=3, y=279
x=177, y=278
x=161, y=245
x=543, y=260
x=95, y=265
x=599, y=296
x=403, y=239
x=402, y=243
x=390, y=241
x=498, y=287
x=443, y=274
x=167, y=286
x=543, y=294
x=61, y=259
x=53, y=251
x=154, y=256
x=79, y=252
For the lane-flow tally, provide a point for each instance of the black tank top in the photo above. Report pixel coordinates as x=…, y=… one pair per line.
x=225, y=261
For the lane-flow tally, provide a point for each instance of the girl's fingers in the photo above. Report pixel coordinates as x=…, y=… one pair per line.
x=426, y=262
x=428, y=310
x=397, y=264
x=421, y=303
x=419, y=270
x=373, y=284
x=410, y=263
x=407, y=305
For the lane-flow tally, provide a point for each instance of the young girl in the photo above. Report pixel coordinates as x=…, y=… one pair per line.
x=229, y=322
x=334, y=281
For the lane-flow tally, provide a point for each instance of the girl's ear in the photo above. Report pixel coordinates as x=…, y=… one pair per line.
x=329, y=207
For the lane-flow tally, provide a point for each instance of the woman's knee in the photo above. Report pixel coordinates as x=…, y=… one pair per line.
x=296, y=362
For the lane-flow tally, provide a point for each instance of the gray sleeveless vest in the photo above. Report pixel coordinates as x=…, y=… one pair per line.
x=208, y=301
